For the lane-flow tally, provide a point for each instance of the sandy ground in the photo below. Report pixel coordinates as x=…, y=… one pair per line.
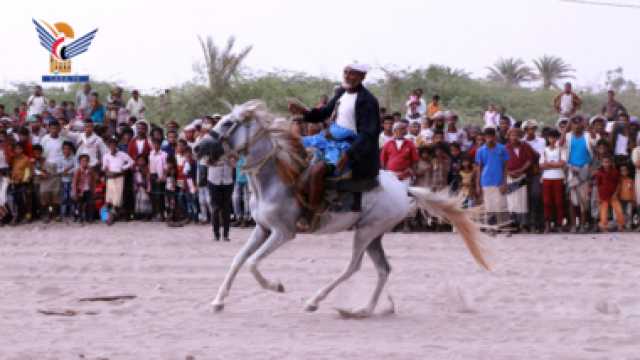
x=552, y=297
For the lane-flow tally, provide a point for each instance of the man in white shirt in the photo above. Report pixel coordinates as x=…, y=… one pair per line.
x=82, y=98
x=491, y=117
x=52, y=144
x=37, y=103
x=114, y=164
x=88, y=143
x=567, y=103
x=135, y=105
x=537, y=143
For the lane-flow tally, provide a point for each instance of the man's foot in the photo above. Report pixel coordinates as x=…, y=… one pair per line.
x=226, y=238
x=216, y=237
x=547, y=228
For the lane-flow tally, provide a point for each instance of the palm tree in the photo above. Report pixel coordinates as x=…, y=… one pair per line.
x=551, y=69
x=511, y=72
x=221, y=64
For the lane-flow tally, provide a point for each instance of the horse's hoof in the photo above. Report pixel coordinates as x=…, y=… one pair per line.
x=310, y=308
x=280, y=288
x=217, y=307
x=350, y=314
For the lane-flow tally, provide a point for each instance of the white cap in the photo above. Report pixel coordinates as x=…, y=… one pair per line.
x=363, y=68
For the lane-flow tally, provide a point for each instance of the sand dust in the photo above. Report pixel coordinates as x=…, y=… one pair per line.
x=551, y=297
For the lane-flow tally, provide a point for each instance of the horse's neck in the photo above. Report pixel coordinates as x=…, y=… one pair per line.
x=266, y=175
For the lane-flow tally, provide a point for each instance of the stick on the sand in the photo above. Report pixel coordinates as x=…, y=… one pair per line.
x=109, y=298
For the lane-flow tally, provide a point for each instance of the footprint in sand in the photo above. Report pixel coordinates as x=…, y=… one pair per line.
x=49, y=290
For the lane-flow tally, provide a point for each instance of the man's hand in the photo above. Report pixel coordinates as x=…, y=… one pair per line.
x=503, y=188
x=296, y=109
x=342, y=163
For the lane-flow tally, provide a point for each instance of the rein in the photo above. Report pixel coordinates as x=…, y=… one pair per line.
x=257, y=166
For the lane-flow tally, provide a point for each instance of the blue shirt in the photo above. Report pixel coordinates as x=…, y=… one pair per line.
x=492, y=161
x=98, y=116
x=579, y=154
x=241, y=177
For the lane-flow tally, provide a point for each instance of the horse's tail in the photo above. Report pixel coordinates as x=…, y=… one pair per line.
x=442, y=205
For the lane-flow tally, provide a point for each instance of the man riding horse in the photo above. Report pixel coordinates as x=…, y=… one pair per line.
x=352, y=109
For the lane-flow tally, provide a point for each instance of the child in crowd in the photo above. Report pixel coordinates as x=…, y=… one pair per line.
x=142, y=188
x=21, y=175
x=626, y=194
x=99, y=192
x=467, y=182
x=608, y=180
x=171, y=189
x=83, y=187
x=190, y=191
x=552, y=162
x=5, y=160
x=440, y=167
x=157, y=172
x=454, y=167
x=65, y=169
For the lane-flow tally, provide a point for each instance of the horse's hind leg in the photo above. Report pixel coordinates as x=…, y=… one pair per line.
x=360, y=243
x=276, y=239
x=379, y=258
x=256, y=239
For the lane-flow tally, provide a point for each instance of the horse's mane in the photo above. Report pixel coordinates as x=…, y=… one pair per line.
x=291, y=155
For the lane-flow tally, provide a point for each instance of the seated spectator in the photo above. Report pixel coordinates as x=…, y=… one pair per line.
x=491, y=117
x=434, y=107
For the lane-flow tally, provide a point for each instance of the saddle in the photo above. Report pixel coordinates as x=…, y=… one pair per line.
x=340, y=194
x=345, y=194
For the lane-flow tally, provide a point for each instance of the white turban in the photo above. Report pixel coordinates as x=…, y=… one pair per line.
x=363, y=68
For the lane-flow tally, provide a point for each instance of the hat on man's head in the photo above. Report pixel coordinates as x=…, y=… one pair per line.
x=361, y=68
x=562, y=120
x=398, y=124
x=215, y=116
x=597, y=118
x=530, y=123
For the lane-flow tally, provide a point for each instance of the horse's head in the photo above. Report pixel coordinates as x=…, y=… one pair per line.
x=234, y=133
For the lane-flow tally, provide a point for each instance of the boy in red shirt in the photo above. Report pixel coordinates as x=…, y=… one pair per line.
x=607, y=179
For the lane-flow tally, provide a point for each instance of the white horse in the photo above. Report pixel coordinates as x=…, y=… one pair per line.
x=274, y=161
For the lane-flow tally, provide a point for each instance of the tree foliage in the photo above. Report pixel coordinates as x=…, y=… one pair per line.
x=551, y=69
x=511, y=72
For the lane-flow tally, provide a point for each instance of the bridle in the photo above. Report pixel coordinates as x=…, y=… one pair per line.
x=249, y=142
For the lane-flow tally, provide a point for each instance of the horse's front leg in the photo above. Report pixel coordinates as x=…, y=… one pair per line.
x=256, y=239
x=276, y=239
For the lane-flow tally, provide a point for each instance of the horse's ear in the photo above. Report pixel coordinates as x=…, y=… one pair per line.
x=251, y=106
